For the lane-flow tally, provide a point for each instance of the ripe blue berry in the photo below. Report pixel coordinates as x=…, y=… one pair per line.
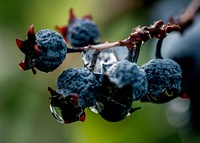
x=80, y=32
x=121, y=84
x=125, y=73
x=45, y=51
x=164, y=80
x=113, y=103
x=75, y=91
x=80, y=81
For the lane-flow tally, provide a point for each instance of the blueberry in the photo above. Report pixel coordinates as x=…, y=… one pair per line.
x=80, y=32
x=113, y=103
x=75, y=91
x=53, y=49
x=164, y=80
x=45, y=51
x=122, y=83
x=80, y=81
x=125, y=73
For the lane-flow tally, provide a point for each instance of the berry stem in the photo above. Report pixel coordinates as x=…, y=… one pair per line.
x=133, y=54
x=158, y=53
x=74, y=50
x=103, y=46
x=130, y=55
x=137, y=52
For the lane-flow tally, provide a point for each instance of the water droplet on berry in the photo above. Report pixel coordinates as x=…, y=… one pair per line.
x=56, y=111
x=99, y=106
x=94, y=110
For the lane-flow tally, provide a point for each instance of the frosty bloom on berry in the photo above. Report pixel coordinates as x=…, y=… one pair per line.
x=164, y=80
x=80, y=31
x=80, y=81
x=75, y=91
x=45, y=51
x=125, y=73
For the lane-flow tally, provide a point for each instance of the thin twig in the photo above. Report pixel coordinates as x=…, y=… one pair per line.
x=138, y=36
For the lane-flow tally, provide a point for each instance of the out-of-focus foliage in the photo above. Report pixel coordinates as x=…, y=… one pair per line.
x=24, y=108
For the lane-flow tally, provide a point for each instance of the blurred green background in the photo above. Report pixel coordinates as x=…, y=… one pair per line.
x=24, y=110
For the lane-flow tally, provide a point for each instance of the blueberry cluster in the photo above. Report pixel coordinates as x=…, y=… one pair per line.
x=111, y=80
x=111, y=93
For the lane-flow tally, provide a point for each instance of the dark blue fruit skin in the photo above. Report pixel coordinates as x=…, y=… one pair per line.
x=162, y=75
x=80, y=81
x=53, y=50
x=82, y=32
x=121, y=84
x=185, y=50
x=113, y=103
x=125, y=73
